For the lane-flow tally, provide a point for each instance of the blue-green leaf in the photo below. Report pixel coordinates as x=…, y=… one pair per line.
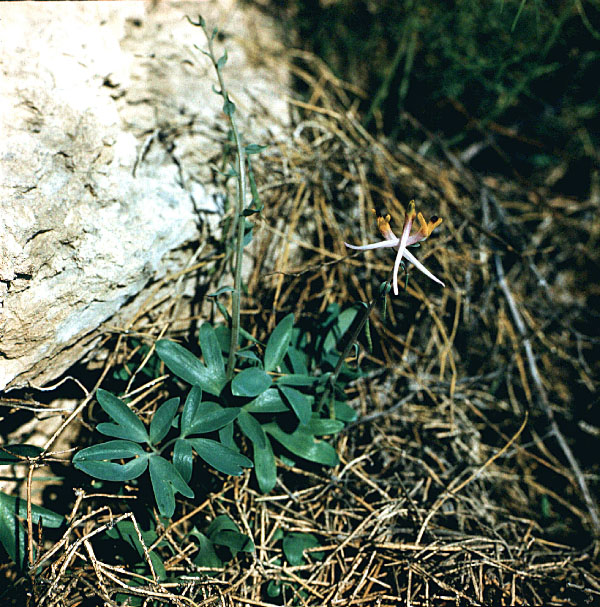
x=254, y=148
x=162, y=420
x=14, y=454
x=320, y=427
x=341, y=325
x=12, y=535
x=265, y=466
x=188, y=367
x=224, y=532
x=114, y=449
x=96, y=460
x=220, y=457
x=251, y=428
x=221, y=291
x=301, y=403
x=109, y=471
x=296, y=379
x=278, y=343
x=294, y=544
x=183, y=459
x=206, y=557
x=131, y=426
x=226, y=437
x=208, y=417
x=303, y=444
x=298, y=360
x=211, y=350
x=222, y=60
x=190, y=408
x=269, y=401
x=345, y=412
x=250, y=382
x=166, y=481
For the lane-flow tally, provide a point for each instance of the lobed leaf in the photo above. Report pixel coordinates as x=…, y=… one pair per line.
x=188, y=367
x=128, y=424
x=166, y=481
x=208, y=417
x=303, y=444
x=220, y=457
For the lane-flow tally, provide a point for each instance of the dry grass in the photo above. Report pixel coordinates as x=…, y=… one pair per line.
x=454, y=487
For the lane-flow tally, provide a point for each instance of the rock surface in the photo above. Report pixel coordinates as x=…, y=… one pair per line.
x=108, y=121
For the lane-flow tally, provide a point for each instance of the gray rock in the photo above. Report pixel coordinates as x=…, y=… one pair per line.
x=107, y=120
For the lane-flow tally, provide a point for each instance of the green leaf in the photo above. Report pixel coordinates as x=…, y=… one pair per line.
x=109, y=471
x=114, y=449
x=345, y=412
x=159, y=566
x=211, y=350
x=254, y=148
x=248, y=354
x=12, y=534
x=128, y=425
x=250, y=382
x=341, y=325
x=269, y=401
x=279, y=342
x=251, y=428
x=303, y=444
x=208, y=417
x=296, y=379
x=220, y=457
x=18, y=507
x=294, y=545
x=298, y=360
x=190, y=408
x=95, y=461
x=265, y=466
x=166, y=481
x=12, y=454
x=188, y=367
x=126, y=531
x=206, y=557
x=162, y=420
x=221, y=291
x=301, y=403
x=273, y=589
x=226, y=437
x=320, y=427
x=183, y=459
x=228, y=107
x=222, y=61
x=224, y=532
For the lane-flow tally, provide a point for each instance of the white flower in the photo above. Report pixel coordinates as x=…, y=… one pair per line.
x=383, y=223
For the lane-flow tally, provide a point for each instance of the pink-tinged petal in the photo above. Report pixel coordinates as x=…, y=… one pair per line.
x=396, y=270
x=408, y=221
x=421, y=267
x=376, y=245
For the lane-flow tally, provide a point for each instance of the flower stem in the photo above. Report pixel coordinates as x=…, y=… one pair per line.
x=239, y=219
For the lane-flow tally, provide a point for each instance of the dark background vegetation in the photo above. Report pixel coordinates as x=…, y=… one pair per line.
x=510, y=84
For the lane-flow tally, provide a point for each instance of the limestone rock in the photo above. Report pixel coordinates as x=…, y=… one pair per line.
x=108, y=120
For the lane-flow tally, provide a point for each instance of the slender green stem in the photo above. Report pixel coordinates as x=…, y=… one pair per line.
x=239, y=219
x=355, y=333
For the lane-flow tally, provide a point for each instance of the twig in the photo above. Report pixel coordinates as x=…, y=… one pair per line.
x=543, y=397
